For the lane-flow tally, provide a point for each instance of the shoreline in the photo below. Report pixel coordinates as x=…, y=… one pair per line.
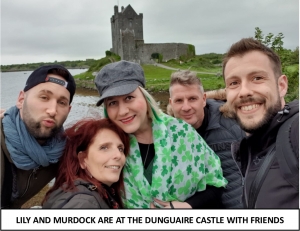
x=162, y=97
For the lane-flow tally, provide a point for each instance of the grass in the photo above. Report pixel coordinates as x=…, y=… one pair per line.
x=157, y=79
x=193, y=67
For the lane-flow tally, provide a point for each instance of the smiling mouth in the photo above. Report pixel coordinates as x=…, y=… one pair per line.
x=127, y=120
x=188, y=116
x=249, y=107
x=113, y=167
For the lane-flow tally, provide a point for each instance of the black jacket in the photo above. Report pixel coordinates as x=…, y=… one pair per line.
x=275, y=192
x=219, y=133
x=82, y=198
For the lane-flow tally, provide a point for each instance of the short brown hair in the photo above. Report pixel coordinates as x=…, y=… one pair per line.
x=185, y=78
x=246, y=45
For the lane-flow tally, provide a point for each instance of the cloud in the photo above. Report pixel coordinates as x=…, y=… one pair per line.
x=49, y=30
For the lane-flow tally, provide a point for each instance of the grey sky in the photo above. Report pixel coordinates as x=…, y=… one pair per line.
x=48, y=30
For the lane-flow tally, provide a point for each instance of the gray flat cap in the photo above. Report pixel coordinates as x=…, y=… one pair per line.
x=119, y=78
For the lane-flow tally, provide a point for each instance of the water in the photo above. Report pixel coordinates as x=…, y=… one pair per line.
x=83, y=104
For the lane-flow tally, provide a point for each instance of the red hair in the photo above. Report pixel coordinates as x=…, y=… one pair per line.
x=78, y=138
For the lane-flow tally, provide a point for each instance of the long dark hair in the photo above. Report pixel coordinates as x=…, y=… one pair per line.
x=79, y=137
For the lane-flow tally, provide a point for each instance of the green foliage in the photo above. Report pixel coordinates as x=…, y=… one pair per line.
x=101, y=62
x=292, y=73
x=191, y=50
x=108, y=53
x=77, y=64
x=160, y=58
x=289, y=60
x=157, y=56
x=270, y=40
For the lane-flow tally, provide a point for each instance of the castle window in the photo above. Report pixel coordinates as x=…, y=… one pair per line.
x=130, y=22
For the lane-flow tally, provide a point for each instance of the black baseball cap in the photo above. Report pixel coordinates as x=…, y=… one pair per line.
x=119, y=78
x=40, y=76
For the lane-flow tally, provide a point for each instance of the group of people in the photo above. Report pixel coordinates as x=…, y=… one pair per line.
x=198, y=156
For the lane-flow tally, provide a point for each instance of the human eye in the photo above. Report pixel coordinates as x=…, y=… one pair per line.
x=63, y=103
x=121, y=149
x=193, y=99
x=178, y=100
x=103, y=147
x=43, y=97
x=257, y=78
x=112, y=103
x=232, y=84
x=129, y=97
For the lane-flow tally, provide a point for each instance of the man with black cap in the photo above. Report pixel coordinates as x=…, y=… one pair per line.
x=31, y=134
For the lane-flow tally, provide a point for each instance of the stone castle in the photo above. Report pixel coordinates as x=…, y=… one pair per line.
x=128, y=40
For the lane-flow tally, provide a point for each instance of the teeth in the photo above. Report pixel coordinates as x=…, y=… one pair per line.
x=113, y=167
x=249, y=107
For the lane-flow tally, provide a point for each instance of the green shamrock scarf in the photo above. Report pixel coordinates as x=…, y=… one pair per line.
x=183, y=164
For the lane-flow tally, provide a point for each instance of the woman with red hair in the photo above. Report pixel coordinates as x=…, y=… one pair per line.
x=90, y=171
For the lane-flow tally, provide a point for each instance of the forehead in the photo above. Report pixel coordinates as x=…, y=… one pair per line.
x=104, y=135
x=249, y=62
x=180, y=90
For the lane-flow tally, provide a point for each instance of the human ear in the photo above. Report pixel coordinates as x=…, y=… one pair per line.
x=20, y=100
x=81, y=157
x=204, y=100
x=282, y=85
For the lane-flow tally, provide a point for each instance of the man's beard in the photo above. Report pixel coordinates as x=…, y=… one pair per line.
x=35, y=127
x=270, y=113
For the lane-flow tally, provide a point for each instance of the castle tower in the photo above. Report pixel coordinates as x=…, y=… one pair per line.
x=126, y=29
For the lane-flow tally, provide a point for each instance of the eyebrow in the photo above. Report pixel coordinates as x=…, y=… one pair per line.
x=51, y=93
x=258, y=72
x=111, y=143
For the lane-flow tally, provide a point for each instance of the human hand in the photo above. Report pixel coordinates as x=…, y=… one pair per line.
x=2, y=113
x=169, y=204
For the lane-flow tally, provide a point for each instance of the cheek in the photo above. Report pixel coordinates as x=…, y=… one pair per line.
x=229, y=96
x=111, y=113
x=176, y=108
x=123, y=159
x=141, y=105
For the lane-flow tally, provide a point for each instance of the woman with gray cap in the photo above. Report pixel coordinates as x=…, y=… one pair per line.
x=169, y=163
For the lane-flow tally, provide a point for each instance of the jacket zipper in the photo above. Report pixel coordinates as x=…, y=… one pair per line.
x=240, y=171
x=246, y=173
x=29, y=178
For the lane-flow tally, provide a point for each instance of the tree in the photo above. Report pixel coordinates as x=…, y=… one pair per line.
x=274, y=42
x=287, y=58
x=258, y=34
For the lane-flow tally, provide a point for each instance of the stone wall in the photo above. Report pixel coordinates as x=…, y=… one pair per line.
x=168, y=51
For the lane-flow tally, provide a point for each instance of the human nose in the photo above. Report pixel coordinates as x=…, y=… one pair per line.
x=52, y=108
x=186, y=106
x=245, y=90
x=117, y=153
x=123, y=109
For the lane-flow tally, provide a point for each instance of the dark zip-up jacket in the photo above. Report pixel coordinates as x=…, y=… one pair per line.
x=78, y=199
x=219, y=133
x=17, y=185
x=275, y=192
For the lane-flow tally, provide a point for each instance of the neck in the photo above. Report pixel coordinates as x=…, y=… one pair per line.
x=41, y=142
x=144, y=134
